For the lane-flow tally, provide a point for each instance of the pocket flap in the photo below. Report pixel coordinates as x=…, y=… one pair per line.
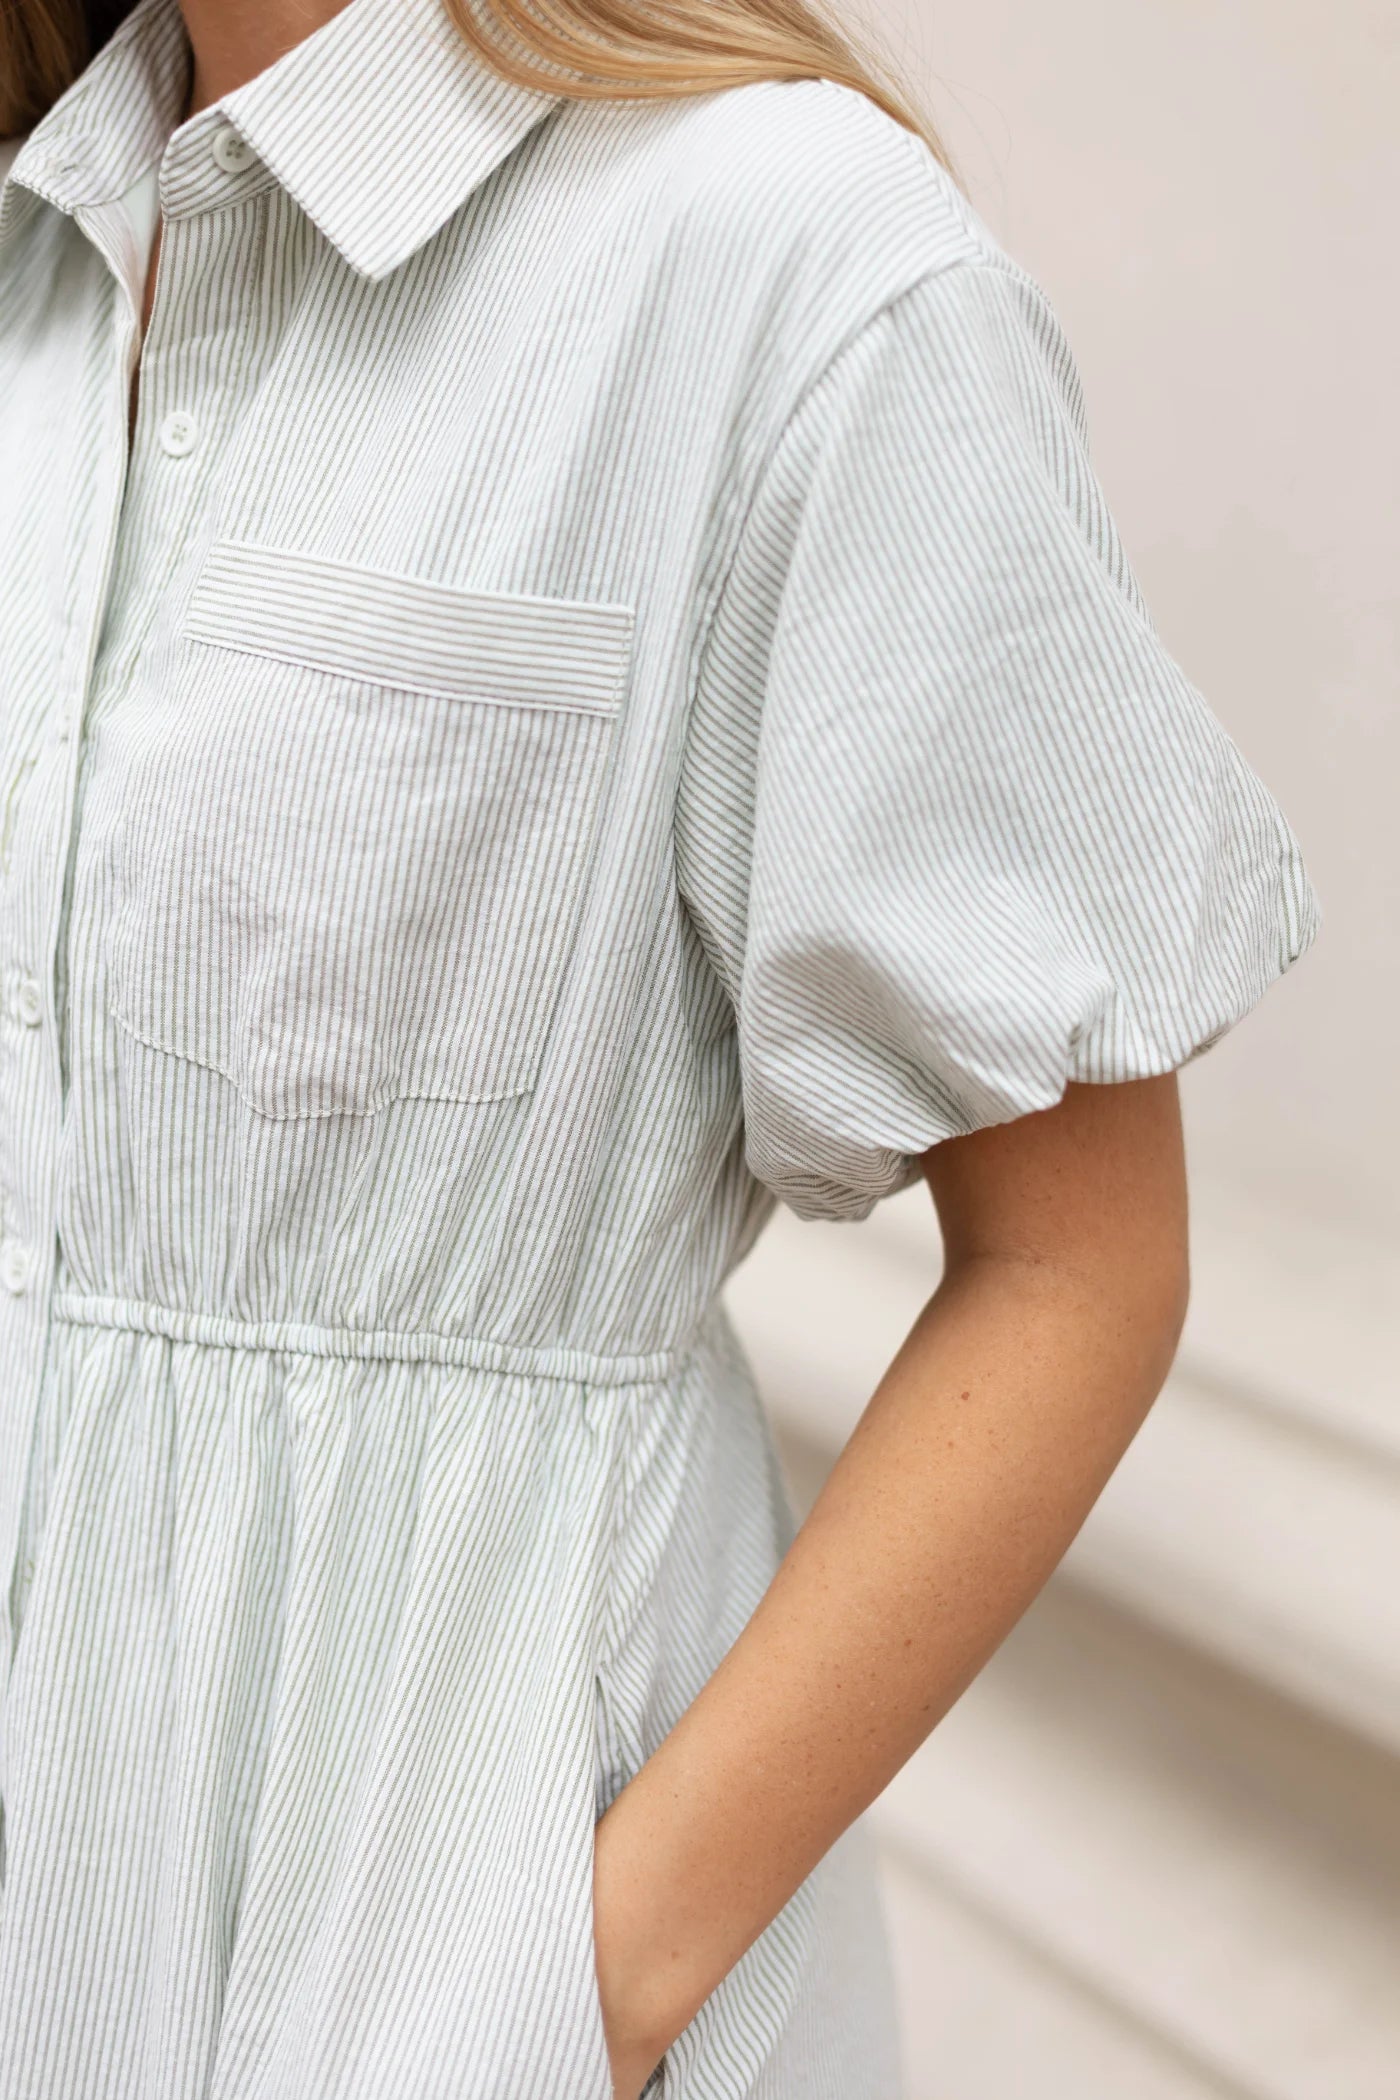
x=394, y=630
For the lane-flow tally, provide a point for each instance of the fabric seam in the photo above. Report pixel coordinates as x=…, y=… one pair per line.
x=818, y=379
x=604, y=710
x=311, y=1115
x=578, y=1367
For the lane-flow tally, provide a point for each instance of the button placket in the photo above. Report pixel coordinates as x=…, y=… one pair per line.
x=174, y=440
x=31, y=1062
x=16, y=1266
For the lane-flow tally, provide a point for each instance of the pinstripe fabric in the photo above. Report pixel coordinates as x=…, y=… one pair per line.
x=604, y=696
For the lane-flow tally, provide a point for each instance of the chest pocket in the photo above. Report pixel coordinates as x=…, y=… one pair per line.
x=352, y=846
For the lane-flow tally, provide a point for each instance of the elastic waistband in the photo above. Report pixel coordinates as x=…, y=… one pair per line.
x=299, y=1338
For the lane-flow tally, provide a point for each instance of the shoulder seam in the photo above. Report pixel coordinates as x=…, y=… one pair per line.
x=974, y=261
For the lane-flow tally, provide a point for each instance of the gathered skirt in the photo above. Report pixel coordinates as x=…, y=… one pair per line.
x=322, y=1672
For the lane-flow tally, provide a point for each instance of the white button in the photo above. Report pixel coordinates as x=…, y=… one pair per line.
x=15, y=1266
x=29, y=1002
x=232, y=152
x=178, y=433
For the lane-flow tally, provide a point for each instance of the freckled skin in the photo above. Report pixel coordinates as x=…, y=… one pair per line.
x=976, y=1461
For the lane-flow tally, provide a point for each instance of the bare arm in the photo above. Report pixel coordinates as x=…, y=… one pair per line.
x=974, y=1464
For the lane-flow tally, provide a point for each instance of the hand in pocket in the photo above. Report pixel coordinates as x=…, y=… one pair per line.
x=626, y=1985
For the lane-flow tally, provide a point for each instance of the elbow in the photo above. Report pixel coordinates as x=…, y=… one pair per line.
x=1164, y=1299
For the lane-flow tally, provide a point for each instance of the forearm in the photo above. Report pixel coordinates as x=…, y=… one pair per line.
x=976, y=1461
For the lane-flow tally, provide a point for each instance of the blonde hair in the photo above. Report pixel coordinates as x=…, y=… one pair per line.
x=631, y=49
x=619, y=49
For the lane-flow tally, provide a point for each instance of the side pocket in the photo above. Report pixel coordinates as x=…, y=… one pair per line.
x=614, y=1765
x=616, y=1757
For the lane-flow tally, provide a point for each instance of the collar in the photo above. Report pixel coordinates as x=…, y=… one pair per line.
x=380, y=124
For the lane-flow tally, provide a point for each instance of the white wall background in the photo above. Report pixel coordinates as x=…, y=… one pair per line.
x=1209, y=190
x=1154, y=1854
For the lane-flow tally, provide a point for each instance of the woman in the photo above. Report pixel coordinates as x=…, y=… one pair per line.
x=566, y=678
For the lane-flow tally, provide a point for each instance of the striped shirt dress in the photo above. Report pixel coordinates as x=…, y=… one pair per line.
x=601, y=696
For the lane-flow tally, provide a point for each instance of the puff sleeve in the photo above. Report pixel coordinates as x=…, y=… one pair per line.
x=953, y=826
